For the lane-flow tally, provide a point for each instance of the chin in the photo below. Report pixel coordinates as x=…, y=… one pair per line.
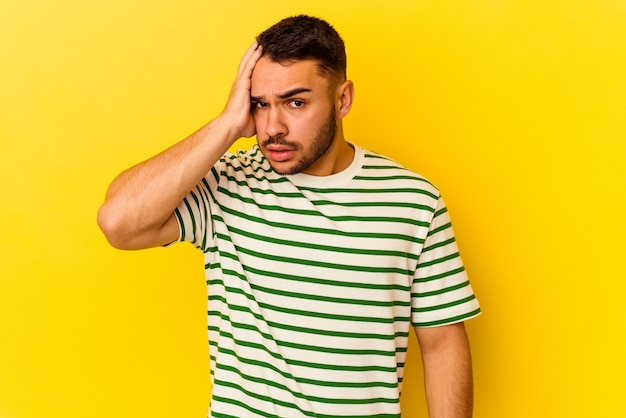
x=284, y=171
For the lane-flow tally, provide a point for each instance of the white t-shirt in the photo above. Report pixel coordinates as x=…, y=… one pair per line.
x=315, y=282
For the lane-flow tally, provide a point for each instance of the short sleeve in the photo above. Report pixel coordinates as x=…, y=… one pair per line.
x=441, y=293
x=193, y=215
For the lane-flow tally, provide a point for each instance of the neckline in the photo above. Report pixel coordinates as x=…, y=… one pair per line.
x=337, y=179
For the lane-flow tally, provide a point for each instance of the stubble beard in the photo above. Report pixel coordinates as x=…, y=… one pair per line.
x=321, y=143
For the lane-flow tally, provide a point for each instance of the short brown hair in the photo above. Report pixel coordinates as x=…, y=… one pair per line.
x=305, y=37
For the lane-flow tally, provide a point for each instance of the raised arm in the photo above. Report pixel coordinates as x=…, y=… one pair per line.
x=140, y=202
x=447, y=371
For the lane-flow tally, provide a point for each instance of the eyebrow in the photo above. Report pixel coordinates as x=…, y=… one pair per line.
x=285, y=95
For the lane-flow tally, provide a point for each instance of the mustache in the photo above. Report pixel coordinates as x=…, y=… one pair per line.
x=278, y=140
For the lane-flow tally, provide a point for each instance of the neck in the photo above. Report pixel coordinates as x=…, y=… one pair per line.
x=337, y=158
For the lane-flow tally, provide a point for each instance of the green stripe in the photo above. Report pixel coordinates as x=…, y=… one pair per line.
x=268, y=399
x=335, y=401
x=322, y=264
x=440, y=276
x=317, y=280
x=208, y=250
x=204, y=195
x=254, y=190
x=262, y=179
x=193, y=220
x=438, y=245
x=291, y=277
x=390, y=177
x=216, y=176
x=324, y=231
x=439, y=229
x=220, y=415
x=289, y=376
x=407, y=190
x=335, y=316
x=311, y=365
x=439, y=260
x=244, y=405
x=308, y=212
x=441, y=211
x=243, y=166
x=302, y=363
x=373, y=156
x=403, y=204
x=448, y=320
x=247, y=407
x=298, y=346
x=307, y=330
x=330, y=248
x=330, y=299
x=181, y=224
x=440, y=291
x=312, y=314
x=313, y=382
x=444, y=306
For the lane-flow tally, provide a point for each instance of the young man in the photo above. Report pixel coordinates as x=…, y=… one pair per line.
x=320, y=255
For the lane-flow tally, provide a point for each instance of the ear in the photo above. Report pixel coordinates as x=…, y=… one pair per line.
x=345, y=97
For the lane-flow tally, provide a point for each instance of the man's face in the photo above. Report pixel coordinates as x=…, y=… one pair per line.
x=294, y=115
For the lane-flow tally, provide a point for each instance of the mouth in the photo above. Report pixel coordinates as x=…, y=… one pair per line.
x=279, y=154
x=279, y=151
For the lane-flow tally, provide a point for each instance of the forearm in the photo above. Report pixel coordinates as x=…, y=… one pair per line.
x=142, y=198
x=448, y=373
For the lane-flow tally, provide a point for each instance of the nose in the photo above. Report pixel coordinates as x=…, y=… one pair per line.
x=275, y=123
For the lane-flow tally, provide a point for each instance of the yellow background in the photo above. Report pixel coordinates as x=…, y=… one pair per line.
x=515, y=109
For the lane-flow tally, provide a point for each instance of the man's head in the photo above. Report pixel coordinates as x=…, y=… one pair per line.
x=304, y=37
x=300, y=95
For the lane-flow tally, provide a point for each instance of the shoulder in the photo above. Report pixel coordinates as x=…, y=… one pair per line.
x=247, y=170
x=390, y=173
x=252, y=157
x=243, y=164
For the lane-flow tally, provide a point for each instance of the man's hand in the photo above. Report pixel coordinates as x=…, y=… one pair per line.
x=237, y=113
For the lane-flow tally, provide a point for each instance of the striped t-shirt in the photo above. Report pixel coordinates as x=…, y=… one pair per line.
x=315, y=282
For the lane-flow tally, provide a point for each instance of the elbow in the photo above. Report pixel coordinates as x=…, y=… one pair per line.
x=112, y=225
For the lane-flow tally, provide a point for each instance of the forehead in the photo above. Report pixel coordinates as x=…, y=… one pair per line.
x=271, y=78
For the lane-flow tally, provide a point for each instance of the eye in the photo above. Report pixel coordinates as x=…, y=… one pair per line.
x=258, y=105
x=296, y=103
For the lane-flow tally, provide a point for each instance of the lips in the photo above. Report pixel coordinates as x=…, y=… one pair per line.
x=280, y=153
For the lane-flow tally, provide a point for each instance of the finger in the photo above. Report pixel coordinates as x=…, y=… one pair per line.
x=250, y=62
x=250, y=57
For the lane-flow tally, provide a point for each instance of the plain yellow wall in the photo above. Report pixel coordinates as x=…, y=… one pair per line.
x=515, y=109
